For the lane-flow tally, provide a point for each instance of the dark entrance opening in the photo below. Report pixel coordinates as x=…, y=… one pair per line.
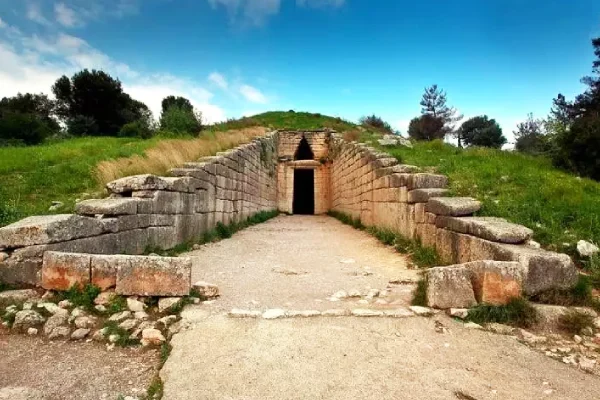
x=304, y=192
x=304, y=152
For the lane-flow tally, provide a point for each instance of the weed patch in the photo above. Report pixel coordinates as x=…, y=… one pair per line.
x=80, y=297
x=574, y=321
x=518, y=312
x=420, y=294
x=124, y=339
x=155, y=390
x=116, y=304
x=579, y=295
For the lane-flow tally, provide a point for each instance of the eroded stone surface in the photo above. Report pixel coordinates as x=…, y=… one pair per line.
x=450, y=287
x=452, y=206
x=155, y=276
x=109, y=206
x=489, y=228
x=61, y=271
x=496, y=282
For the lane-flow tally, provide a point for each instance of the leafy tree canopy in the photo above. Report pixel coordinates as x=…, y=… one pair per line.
x=426, y=127
x=482, y=131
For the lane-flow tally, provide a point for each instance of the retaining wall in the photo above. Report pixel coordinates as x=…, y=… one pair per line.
x=148, y=211
x=374, y=187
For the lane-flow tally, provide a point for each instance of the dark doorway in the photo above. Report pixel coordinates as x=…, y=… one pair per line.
x=304, y=191
x=304, y=152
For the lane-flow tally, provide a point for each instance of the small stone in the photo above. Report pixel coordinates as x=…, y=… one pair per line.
x=100, y=308
x=165, y=303
x=78, y=312
x=587, y=249
x=597, y=322
x=17, y=296
x=354, y=293
x=26, y=319
x=3, y=256
x=398, y=313
x=472, y=325
x=274, y=313
x=60, y=332
x=348, y=261
x=48, y=294
x=80, y=333
x=129, y=324
x=27, y=306
x=530, y=338
x=362, y=301
x=50, y=307
x=152, y=337
x=141, y=315
x=304, y=313
x=206, y=289
x=372, y=294
x=336, y=312
x=168, y=320
x=577, y=339
x=380, y=301
x=461, y=313
x=364, y=312
x=421, y=311
x=196, y=247
x=98, y=336
x=342, y=294
x=113, y=338
x=135, y=305
x=587, y=331
x=85, y=322
x=104, y=298
x=587, y=364
x=500, y=329
x=32, y=331
x=533, y=244
x=65, y=304
x=238, y=313
x=120, y=317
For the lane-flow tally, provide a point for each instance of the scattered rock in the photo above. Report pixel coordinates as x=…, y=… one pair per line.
x=365, y=312
x=472, y=325
x=286, y=271
x=196, y=246
x=129, y=324
x=165, y=303
x=114, y=338
x=206, y=289
x=587, y=331
x=372, y=293
x=100, y=308
x=135, y=305
x=3, y=256
x=577, y=339
x=152, y=337
x=32, y=331
x=354, y=293
x=78, y=312
x=26, y=319
x=398, y=313
x=60, y=332
x=50, y=307
x=120, y=317
x=304, y=313
x=168, y=320
x=238, y=313
x=141, y=315
x=461, y=313
x=421, y=311
x=80, y=333
x=587, y=249
x=533, y=244
x=337, y=312
x=65, y=304
x=104, y=298
x=587, y=364
x=85, y=322
x=59, y=319
x=98, y=336
x=56, y=205
x=342, y=294
x=500, y=329
x=530, y=338
x=274, y=313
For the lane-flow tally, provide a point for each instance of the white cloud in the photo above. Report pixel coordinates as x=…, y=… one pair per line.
x=65, y=16
x=2, y=24
x=34, y=13
x=253, y=12
x=218, y=80
x=32, y=64
x=252, y=94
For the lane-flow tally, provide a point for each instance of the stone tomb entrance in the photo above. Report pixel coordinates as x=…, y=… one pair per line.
x=303, y=172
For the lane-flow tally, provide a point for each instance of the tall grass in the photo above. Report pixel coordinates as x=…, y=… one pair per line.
x=171, y=153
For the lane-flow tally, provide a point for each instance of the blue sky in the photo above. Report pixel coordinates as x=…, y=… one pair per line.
x=348, y=58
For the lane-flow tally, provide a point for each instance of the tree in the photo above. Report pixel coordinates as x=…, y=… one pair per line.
x=434, y=103
x=98, y=99
x=482, y=131
x=375, y=122
x=426, y=127
x=530, y=136
x=178, y=101
x=181, y=119
x=27, y=119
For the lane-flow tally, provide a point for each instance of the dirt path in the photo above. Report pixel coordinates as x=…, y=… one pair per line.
x=344, y=357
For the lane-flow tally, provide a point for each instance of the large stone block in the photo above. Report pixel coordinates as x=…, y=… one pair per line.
x=61, y=271
x=104, y=269
x=450, y=287
x=423, y=195
x=136, y=183
x=453, y=206
x=110, y=206
x=490, y=228
x=21, y=271
x=496, y=282
x=154, y=276
x=422, y=181
x=48, y=229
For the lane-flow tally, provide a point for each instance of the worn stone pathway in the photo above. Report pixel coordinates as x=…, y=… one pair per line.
x=298, y=263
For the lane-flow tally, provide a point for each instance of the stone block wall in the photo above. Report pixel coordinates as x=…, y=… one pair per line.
x=148, y=211
x=374, y=187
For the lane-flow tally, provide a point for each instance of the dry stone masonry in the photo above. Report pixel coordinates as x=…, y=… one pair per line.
x=304, y=172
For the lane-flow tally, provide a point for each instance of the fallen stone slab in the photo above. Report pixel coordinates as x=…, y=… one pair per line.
x=422, y=181
x=206, y=289
x=496, y=282
x=489, y=228
x=450, y=287
x=110, y=206
x=61, y=271
x=238, y=313
x=136, y=183
x=423, y=195
x=155, y=276
x=47, y=229
x=452, y=206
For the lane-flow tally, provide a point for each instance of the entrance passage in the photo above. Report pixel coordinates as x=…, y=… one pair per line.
x=304, y=191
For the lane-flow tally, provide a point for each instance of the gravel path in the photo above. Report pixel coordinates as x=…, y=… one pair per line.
x=297, y=263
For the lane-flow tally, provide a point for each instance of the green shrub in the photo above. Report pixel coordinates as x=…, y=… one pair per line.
x=80, y=297
x=140, y=129
x=82, y=125
x=518, y=312
x=578, y=295
x=376, y=123
x=578, y=149
x=223, y=231
x=180, y=120
x=8, y=213
x=23, y=128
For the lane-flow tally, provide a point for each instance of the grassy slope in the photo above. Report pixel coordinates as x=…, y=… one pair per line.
x=32, y=177
x=559, y=207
